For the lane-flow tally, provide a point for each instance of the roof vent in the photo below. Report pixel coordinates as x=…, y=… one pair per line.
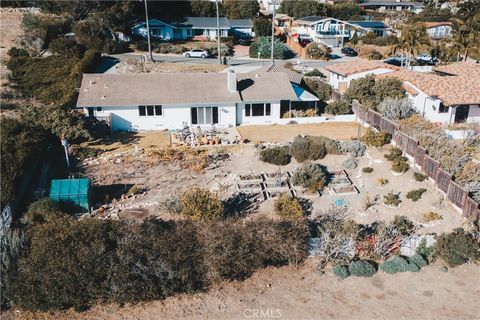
x=257, y=75
x=105, y=85
x=104, y=97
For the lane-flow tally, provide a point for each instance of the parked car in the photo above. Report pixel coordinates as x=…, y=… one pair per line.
x=304, y=42
x=196, y=53
x=349, y=52
x=245, y=41
x=396, y=61
x=426, y=59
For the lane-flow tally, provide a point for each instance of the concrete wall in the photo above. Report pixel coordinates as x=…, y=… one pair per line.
x=474, y=114
x=127, y=118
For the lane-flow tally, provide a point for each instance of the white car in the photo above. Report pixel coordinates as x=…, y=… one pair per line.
x=196, y=53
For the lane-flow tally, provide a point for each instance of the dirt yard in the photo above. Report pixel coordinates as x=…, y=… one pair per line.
x=304, y=293
x=125, y=141
x=10, y=30
x=280, y=133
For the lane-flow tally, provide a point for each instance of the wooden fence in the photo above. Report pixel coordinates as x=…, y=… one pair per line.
x=443, y=180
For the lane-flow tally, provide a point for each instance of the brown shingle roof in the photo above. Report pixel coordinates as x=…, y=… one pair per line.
x=178, y=88
x=459, y=69
x=356, y=66
x=280, y=67
x=452, y=90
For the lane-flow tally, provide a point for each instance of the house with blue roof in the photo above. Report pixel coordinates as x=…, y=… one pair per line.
x=196, y=28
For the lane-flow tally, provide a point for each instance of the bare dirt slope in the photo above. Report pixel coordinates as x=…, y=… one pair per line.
x=289, y=293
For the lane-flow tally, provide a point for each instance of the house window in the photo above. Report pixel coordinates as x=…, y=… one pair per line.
x=158, y=110
x=443, y=108
x=99, y=108
x=204, y=115
x=141, y=111
x=258, y=109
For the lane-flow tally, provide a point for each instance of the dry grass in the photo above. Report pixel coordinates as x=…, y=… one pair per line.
x=134, y=66
x=280, y=133
x=10, y=30
x=126, y=140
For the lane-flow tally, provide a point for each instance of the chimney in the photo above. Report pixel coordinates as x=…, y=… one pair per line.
x=231, y=81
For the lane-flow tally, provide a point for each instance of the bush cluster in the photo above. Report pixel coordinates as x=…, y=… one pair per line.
x=279, y=156
x=288, y=207
x=400, y=165
x=320, y=88
x=341, y=271
x=397, y=264
x=367, y=170
x=392, y=200
x=312, y=148
x=419, y=177
x=338, y=108
x=394, y=154
x=74, y=263
x=312, y=176
x=416, y=194
x=457, y=248
x=362, y=268
x=197, y=203
x=376, y=139
x=317, y=51
x=263, y=46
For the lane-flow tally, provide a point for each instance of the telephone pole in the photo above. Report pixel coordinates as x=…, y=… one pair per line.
x=148, y=31
x=273, y=33
x=218, y=35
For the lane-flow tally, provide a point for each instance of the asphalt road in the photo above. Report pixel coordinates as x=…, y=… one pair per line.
x=111, y=60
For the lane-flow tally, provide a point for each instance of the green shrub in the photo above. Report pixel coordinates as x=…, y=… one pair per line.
x=367, y=169
x=341, y=272
x=394, y=264
x=263, y=46
x=457, y=248
x=403, y=225
x=317, y=51
x=307, y=148
x=423, y=250
x=394, y=154
x=314, y=73
x=418, y=260
x=312, y=176
x=198, y=204
x=279, y=156
x=287, y=207
x=419, y=177
x=320, y=88
x=400, y=166
x=416, y=195
x=376, y=139
x=338, y=108
x=392, y=199
x=41, y=211
x=362, y=268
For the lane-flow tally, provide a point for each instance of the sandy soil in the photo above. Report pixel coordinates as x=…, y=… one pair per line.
x=10, y=31
x=304, y=293
x=124, y=141
x=279, y=133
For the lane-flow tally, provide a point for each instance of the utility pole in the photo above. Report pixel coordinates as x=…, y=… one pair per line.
x=219, y=54
x=148, y=31
x=273, y=33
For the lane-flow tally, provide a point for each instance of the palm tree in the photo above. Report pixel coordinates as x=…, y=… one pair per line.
x=413, y=40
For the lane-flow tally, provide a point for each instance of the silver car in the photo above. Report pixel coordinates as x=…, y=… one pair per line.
x=196, y=53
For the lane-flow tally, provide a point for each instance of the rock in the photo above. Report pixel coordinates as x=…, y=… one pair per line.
x=444, y=269
x=118, y=161
x=350, y=163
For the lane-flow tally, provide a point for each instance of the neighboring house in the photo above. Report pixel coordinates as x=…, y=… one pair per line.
x=334, y=32
x=268, y=5
x=341, y=74
x=378, y=28
x=157, y=101
x=383, y=6
x=450, y=95
x=283, y=21
x=201, y=28
x=438, y=30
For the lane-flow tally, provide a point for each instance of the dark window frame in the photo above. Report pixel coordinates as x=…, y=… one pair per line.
x=142, y=111
x=158, y=110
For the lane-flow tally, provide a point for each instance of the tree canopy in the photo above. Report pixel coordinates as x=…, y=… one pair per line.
x=240, y=9
x=302, y=8
x=370, y=91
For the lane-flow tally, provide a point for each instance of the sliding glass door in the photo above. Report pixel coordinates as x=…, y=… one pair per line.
x=204, y=115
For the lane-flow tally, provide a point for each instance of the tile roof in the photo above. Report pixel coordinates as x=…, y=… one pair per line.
x=452, y=90
x=459, y=68
x=356, y=66
x=131, y=89
x=429, y=24
x=310, y=19
x=241, y=23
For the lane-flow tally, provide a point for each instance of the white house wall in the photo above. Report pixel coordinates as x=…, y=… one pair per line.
x=174, y=117
x=429, y=107
x=272, y=118
x=474, y=114
x=335, y=78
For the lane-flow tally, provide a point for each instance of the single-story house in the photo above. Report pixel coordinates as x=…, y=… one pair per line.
x=334, y=32
x=450, y=95
x=446, y=99
x=438, y=30
x=341, y=74
x=194, y=28
x=383, y=6
x=157, y=101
